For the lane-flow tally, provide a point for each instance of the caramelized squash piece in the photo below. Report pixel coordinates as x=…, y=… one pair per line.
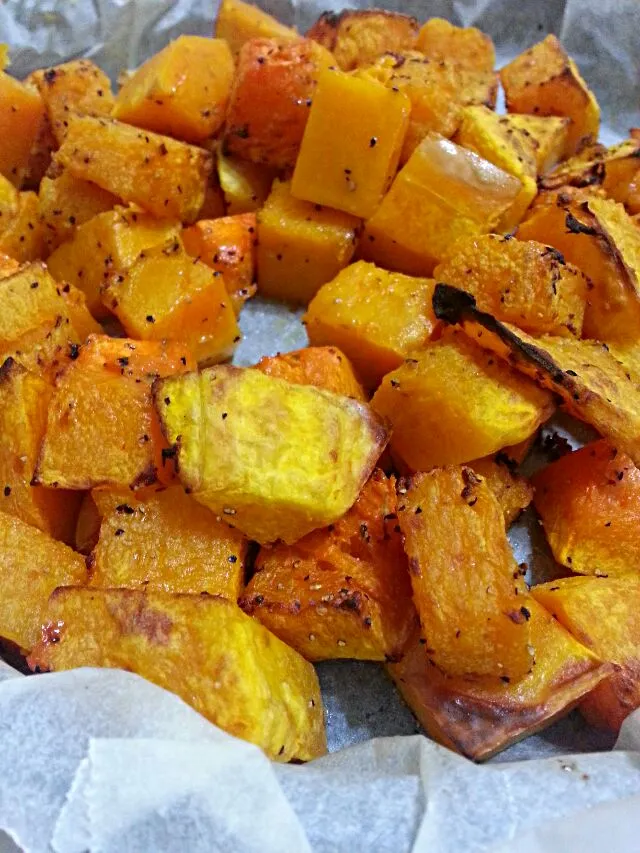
x=602, y=613
x=237, y=22
x=452, y=402
x=33, y=565
x=376, y=317
x=340, y=592
x=481, y=717
x=205, y=649
x=547, y=136
x=324, y=367
x=102, y=429
x=182, y=91
x=524, y=283
x=21, y=107
x=467, y=587
x=468, y=47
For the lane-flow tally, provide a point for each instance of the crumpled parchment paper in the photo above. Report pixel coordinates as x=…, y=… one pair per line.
x=101, y=760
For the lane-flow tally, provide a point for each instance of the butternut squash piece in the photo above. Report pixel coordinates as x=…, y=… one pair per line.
x=22, y=112
x=182, y=91
x=524, y=283
x=482, y=717
x=33, y=565
x=444, y=191
x=351, y=167
x=105, y=247
x=589, y=503
x=270, y=99
x=238, y=22
x=78, y=86
x=102, y=429
x=165, y=541
x=513, y=492
x=376, y=317
x=166, y=295
x=357, y=37
x=468, y=47
x=280, y=477
x=22, y=237
x=300, y=245
x=165, y=177
x=452, y=403
x=24, y=399
x=350, y=584
x=243, y=678
x=245, y=185
x=547, y=136
x=227, y=245
x=468, y=590
x=324, y=367
x=602, y=613
x=545, y=81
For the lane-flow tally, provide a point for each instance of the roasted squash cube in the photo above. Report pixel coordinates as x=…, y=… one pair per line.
x=467, y=47
x=481, y=717
x=589, y=503
x=357, y=37
x=33, y=565
x=22, y=113
x=452, y=403
x=525, y=283
x=324, y=367
x=102, y=429
x=104, y=248
x=166, y=295
x=301, y=245
x=182, y=91
x=275, y=477
x=351, y=167
x=444, y=191
x=269, y=104
x=79, y=87
x=547, y=136
x=602, y=613
x=240, y=677
x=376, y=317
x=237, y=22
x=165, y=541
x=22, y=237
x=341, y=592
x=24, y=400
x=545, y=81
x=245, y=185
x=467, y=587
x=513, y=491
x=228, y=246
x=165, y=177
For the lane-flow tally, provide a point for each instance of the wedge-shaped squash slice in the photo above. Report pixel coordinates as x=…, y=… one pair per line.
x=165, y=541
x=467, y=586
x=24, y=400
x=273, y=459
x=444, y=191
x=245, y=185
x=547, y=136
x=324, y=367
x=228, y=246
x=599, y=237
x=78, y=86
x=22, y=237
x=33, y=565
x=205, y=649
x=270, y=99
x=358, y=36
x=182, y=91
x=468, y=47
x=167, y=295
x=451, y=403
x=237, y=22
x=513, y=491
x=340, y=592
x=602, y=613
x=594, y=385
x=20, y=107
x=165, y=177
x=521, y=282
x=589, y=502
x=102, y=428
x=543, y=80
x=104, y=248
x=480, y=718
x=376, y=317
x=300, y=245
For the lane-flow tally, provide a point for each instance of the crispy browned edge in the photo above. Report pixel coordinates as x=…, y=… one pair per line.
x=590, y=175
x=327, y=28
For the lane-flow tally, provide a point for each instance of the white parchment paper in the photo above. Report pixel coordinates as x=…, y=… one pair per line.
x=101, y=760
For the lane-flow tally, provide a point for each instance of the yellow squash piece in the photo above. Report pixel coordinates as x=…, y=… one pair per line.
x=547, y=136
x=237, y=22
x=23, y=236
